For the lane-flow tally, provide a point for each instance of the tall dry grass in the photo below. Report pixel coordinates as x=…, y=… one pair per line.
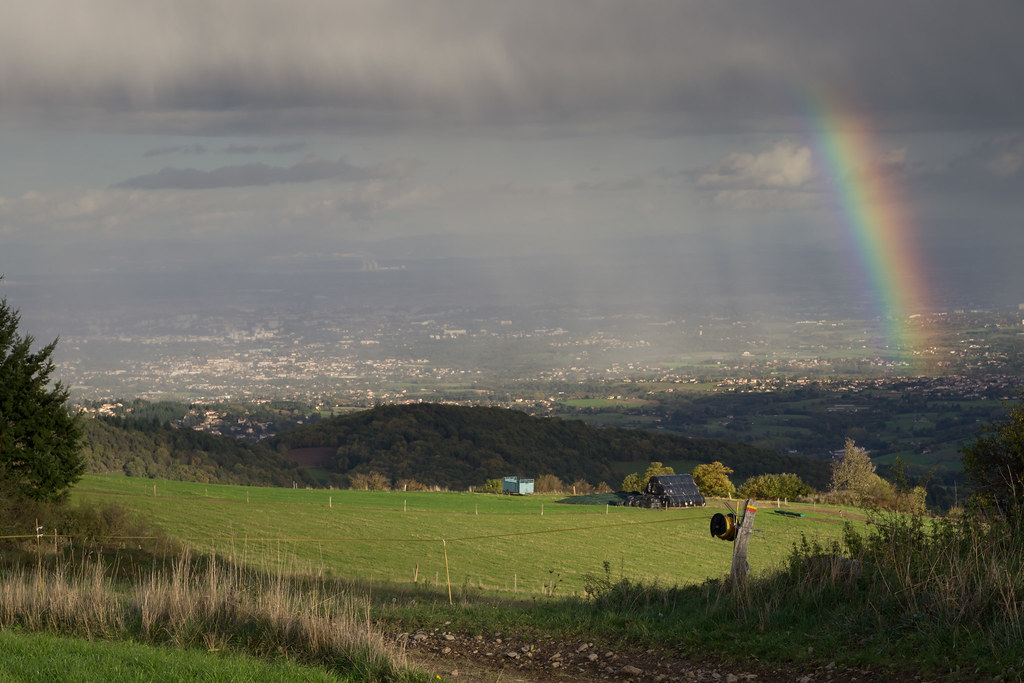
x=910, y=593
x=967, y=571
x=210, y=604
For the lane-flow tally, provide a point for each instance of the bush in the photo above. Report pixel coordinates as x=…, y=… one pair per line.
x=713, y=480
x=994, y=463
x=765, y=486
x=548, y=483
x=634, y=483
x=491, y=486
x=581, y=487
x=637, y=482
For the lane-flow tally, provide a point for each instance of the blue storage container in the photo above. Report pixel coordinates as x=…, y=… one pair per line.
x=517, y=486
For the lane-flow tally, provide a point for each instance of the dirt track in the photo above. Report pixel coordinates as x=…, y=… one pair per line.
x=475, y=658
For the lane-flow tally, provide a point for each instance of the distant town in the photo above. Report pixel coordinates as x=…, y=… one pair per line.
x=533, y=356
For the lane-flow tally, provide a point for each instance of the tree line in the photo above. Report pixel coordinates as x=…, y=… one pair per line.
x=459, y=446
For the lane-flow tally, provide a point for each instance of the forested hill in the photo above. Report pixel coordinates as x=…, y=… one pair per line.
x=457, y=447
x=147, y=448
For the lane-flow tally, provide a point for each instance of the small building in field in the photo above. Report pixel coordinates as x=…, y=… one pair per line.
x=517, y=486
x=675, y=490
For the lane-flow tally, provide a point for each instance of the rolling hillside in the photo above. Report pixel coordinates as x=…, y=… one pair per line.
x=457, y=447
x=148, y=448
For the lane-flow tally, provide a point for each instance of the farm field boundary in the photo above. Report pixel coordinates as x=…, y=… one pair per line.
x=525, y=545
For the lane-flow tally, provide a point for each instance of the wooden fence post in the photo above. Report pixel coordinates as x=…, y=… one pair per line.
x=739, y=550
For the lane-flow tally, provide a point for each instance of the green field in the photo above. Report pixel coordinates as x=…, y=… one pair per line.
x=527, y=545
x=603, y=403
x=44, y=658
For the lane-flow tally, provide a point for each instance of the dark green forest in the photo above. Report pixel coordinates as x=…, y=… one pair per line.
x=448, y=446
x=457, y=447
x=150, y=448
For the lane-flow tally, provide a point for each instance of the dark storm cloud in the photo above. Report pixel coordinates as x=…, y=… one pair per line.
x=994, y=168
x=663, y=65
x=248, y=175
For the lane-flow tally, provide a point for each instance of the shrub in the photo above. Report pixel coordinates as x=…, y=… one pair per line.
x=713, y=479
x=581, y=487
x=783, y=485
x=637, y=482
x=995, y=462
x=548, y=483
x=491, y=486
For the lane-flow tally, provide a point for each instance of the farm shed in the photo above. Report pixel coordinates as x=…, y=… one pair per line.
x=517, y=486
x=675, y=490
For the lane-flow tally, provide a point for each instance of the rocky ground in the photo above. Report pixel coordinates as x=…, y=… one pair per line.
x=460, y=657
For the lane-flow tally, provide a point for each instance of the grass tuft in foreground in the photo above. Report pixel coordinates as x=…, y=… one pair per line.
x=209, y=605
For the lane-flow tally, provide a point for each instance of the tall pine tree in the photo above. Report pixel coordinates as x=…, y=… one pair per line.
x=40, y=443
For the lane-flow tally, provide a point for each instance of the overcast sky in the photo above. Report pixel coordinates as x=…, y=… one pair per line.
x=144, y=135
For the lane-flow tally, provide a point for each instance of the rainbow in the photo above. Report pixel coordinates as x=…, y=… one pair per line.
x=875, y=220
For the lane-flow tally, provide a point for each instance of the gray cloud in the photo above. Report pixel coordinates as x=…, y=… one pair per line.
x=992, y=168
x=255, y=174
x=662, y=65
x=280, y=148
x=284, y=148
x=175, y=149
x=786, y=166
x=241, y=149
x=787, y=175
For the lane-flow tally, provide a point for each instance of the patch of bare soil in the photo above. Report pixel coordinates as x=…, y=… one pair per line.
x=459, y=657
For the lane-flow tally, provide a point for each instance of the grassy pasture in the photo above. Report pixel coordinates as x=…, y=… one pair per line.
x=527, y=545
x=603, y=402
x=45, y=657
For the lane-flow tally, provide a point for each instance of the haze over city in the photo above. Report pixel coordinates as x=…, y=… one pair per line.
x=667, y=157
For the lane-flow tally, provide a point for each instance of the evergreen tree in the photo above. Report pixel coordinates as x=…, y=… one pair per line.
x=40, y=443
